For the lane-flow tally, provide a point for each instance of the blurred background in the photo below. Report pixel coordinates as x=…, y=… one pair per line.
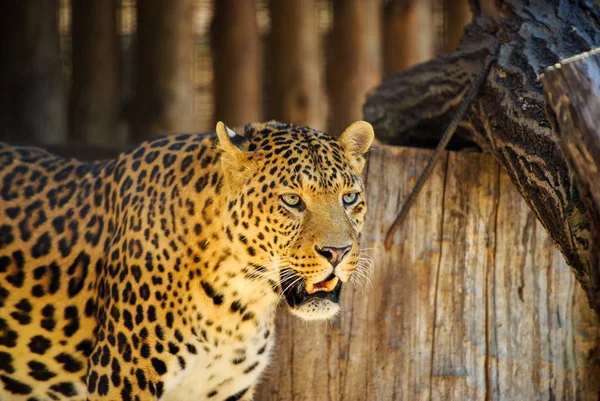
x=106, y=73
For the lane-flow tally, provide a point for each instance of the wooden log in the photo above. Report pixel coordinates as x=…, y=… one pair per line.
x=473, y=302
x=409, y=34
x=572, y=93
x=354, y=59
x=32, y=97
x=237, y=61
x=95, y=93
x=296, y=81
x=508, y=118
x=164, y=89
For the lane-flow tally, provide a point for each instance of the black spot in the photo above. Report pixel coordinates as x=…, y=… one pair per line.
x=105, y=358
x=211, y=293
x=160, y=333
x=159, y=366
x=92, y=381
x=145, y=350
x=48, y=321
x=64, y=388
x=115, y=377
x=18, y=277
x=59, y=224
x=78, y=272
x=69, y=363
x=14, y=386
x=127, y=319
x=8, y=337
x=170, y=319
x=237, y=396
x=39, y=345
x=141, y=379
x=191, y=348
x=6, y=236
x=103, y=385
x=39, y=371
x=145, y=292
x=71, y=315
x=85, y=347
x=168, y=159
x=127, y=390
x=151, y=313
x=250, y=368
x=41, y=247
x=6, y=362
x=212, y=394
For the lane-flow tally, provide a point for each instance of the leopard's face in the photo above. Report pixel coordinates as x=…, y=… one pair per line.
x=296, y=207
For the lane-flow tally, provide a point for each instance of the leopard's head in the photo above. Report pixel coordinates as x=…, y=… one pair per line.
x=295, y=209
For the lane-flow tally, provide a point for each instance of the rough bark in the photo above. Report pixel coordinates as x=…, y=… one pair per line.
x=164, y=68
x=32, y=99
x=508, y=118
x=354, y=59
x=572, y=90
x=237, y=56
x=409, y=34
x=473, y=302
x=95, y=95
x=297, y=88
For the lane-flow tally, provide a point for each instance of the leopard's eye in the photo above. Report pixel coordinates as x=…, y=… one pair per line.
x=292, y=200
x=350, y=198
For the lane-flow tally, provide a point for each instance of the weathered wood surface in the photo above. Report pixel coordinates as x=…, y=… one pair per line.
x=508, y=118
x=473, y=302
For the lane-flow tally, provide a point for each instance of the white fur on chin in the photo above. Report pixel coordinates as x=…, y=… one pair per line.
x=316, y=309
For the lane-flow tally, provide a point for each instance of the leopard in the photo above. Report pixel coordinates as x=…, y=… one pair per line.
x=156, y=275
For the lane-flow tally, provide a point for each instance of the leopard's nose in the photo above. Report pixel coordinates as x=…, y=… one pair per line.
x=334, y=255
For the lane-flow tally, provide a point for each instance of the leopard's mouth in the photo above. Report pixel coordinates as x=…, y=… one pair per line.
x=328, y=289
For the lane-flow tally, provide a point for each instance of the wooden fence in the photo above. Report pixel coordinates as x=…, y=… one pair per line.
x=472, y=303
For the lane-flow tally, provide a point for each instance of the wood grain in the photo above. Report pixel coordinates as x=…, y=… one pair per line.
x=473, y=302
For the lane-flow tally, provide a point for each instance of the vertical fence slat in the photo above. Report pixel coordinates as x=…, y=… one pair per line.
x=164, y=68
x=354, y=59
x=95, y=100
x=32, y=96
x=297, y=87
x=237, y=63
x=409, y=34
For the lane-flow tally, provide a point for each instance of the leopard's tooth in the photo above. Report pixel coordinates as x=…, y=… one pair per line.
x=310, y=288
x=330, y=285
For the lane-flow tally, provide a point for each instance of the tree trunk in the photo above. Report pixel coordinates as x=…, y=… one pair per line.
x=237, y=61
x=95, y=94
x=572, y=92
x=32, y=99
x=508, y=117
x=473, y=301
x=164, y=68
x=354, y=65
x=409, y=34
x=297, y=89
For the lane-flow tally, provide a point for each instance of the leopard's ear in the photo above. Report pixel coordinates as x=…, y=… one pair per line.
x=229, y=140
x=356, y=141
x=234, y=161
